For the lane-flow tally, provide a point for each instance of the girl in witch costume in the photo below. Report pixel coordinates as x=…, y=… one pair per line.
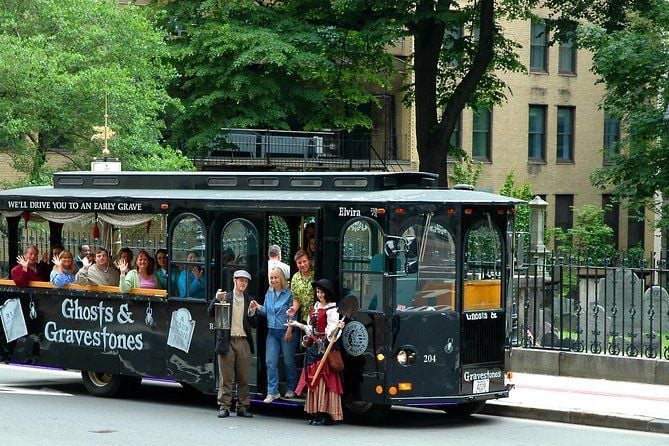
x=323, y=401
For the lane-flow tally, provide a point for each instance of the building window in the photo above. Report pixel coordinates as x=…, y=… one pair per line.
x=611, y=216
x=611, y=137
x=635, y=227
x=567, y=57
x=536, y=136
x=539, y=47
x=481, y=135
x=565, y=134
x=564, y=212
x=456, y=142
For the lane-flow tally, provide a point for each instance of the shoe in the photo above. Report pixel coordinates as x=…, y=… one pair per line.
x=244, y=414
x=223, y=413
x=271, y=397
x=320, y=421
x=325, y=420
x=291, y=394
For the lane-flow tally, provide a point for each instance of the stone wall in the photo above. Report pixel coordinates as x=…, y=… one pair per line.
x=584, y=365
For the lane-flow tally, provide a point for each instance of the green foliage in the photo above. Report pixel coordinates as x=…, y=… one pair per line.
x=279, y=234
x=634, y=256
x=285, y=65
x=590, y=237
x=58, y=60
x=633, y=62
x=466, y=171
x=523, y=192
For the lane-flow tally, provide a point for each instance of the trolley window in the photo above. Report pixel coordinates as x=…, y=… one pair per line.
x=239, y=250
x=362, y=263
x=187, y=267
x=482, y=268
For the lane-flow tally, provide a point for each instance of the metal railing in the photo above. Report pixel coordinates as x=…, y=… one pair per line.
x=575, y=303
x=296, y=150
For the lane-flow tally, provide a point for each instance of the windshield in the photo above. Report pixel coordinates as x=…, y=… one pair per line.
x=433, y=286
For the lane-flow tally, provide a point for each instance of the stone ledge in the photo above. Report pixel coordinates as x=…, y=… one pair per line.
x=586, y=365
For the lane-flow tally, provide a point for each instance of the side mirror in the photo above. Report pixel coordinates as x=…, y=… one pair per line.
x=411, y=253
x=391, y=248
x=408, y=246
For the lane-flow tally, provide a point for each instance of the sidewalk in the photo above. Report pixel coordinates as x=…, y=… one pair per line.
x=593, y=402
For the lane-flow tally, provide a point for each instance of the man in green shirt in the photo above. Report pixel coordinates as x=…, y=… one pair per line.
x=300, y=284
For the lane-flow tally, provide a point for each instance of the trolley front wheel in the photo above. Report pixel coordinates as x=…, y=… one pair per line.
x=361, y=412
x=464, y=409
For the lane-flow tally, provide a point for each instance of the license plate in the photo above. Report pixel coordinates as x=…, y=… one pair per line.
x=481, y=385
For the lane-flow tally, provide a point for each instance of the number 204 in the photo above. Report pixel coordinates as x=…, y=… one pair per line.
x=429, y=358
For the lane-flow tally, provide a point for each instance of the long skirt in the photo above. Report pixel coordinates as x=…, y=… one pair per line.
x=325, y=395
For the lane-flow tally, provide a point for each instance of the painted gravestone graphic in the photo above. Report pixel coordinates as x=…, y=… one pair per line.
x=181, y=331
x=13, y=322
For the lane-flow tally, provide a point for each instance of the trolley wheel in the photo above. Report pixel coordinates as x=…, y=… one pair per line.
x=361, y=412
x=105, y=384
x=464, y=409
x=101, y=383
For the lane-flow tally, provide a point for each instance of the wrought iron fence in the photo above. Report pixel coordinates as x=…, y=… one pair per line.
x=576, y=303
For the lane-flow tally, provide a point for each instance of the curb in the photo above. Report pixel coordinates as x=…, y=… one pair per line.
x=637, y=423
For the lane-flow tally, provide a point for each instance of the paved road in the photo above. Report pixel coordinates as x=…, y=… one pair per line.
x=44, y=407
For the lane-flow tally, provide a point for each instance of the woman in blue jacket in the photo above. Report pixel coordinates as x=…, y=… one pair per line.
x=191, y=279
x=279, y=305
x=63, y=269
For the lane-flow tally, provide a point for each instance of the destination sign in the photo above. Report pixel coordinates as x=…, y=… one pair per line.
x=78, y=206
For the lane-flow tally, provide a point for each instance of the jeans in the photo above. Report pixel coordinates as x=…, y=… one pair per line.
x=276, y=344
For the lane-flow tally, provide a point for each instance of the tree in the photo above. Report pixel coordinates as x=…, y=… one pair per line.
x=633, y=62
x=590, y=236
x=453, y=70
x=267, y=64
x=523, y=192
x=58, y=61
x=305, y=64
x=467, y=172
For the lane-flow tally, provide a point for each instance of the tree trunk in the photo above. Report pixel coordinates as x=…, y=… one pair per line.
x=428, y=39
x=433, y=135
x=39, y=161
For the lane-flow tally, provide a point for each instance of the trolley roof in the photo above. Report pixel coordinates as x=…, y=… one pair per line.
x=258, y=188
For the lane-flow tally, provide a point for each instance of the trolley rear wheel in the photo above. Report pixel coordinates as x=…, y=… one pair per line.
x=105, y=384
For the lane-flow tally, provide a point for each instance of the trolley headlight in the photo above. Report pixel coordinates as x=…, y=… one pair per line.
x=406, y=356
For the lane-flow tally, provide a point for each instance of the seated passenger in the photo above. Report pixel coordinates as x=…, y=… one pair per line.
x=191, y=281
x=161, y=269
x=63, y=269
x=99, y=273
x=125, y=254
x=84, y=250
x=46, y=261
x=228, y=256
x=142, y=276
x=26, y=270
